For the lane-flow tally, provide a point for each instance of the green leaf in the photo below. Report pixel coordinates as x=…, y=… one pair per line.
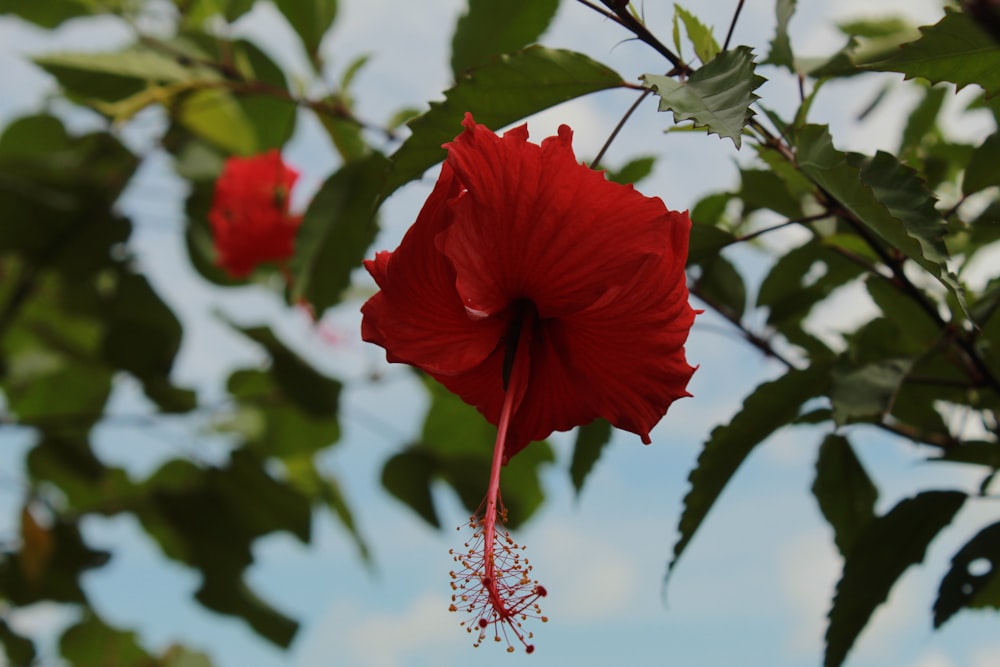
x=973, y=581
x=885, y=196
x=508, y=89
x=705, y=46
x=92, y=642
x=18, y=650
x=315, y=393
x=311, y=20
x=215, y=116
x=706, y=242
x=954, y=49
x=408, y=476
x=49, y=14
x=867, y=392
x=721, y=285
x=633, y=171
x=845, y=493
x=490, y=28
x=717, y=96
x=979, y=452
x=760, y=188
x=983, y=169
x=116, y=75
x=781, y=46
x=591, y=440
x=921, y=122
x=337, y=229
x=869, y=40
x=883, y=551
x=771, y=406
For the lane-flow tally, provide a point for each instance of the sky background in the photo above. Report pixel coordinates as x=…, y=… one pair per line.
x=753, y=587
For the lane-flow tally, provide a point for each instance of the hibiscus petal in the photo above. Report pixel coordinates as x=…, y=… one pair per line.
x=417, y=315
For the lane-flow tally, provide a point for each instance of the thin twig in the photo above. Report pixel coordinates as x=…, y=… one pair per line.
x=732, y=25
x=621, y=123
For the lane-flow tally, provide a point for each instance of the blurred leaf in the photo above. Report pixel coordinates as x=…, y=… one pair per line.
x=508, y=89
x=771, y=406
x=68, y=463
x=490, y=28
x=978, y=452
x=179, y=656
x=720, y=284
x=869, y=40
x=717, y=96
x=883, y=551
x=337, y=229
x=922, y=121
x=954, y=49
x=272, y=118
x=845, y=493
x=36, y=548
x=92, y=642
x=18, y=650
x=49, y=14
x=866, y=392
x=706, y=242
x=766, y=189
x=456, y=446
x=781, y=45
x=215, y=116
x=591, y=440
x=345, y=134
x=983, y=169
x=633, y=171
x=304, y=476
x=314, y=392
x=61, y=582
x=112, y=76
x=800, y=279
x=885, y=196
x=705, y=46
x=311, y=19
x=972, y=581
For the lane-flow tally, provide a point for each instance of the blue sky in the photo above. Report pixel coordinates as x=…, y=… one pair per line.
x=754, y=586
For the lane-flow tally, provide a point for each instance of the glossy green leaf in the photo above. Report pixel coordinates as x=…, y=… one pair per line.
x=885, y=196
x=983, y=169
x=781, y=46
x=954, y=49
x=311, y=20
x=590, y=442
x=884, y=550
x=973, y=580
x=93, y=642
x=717, y=96
x=337, y=229
x=490, y=28
x=771, y=406
x=508, y=89
x=705, y=46
x=844, y=491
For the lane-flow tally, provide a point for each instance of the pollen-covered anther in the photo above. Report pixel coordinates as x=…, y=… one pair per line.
x=497, y=590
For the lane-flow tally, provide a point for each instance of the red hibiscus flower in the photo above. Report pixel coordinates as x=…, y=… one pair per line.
x=249, y=215
x=546, y=296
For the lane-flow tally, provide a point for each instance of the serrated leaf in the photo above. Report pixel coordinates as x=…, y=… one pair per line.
x=883, y=551
x=590, y=442
x=781, y=46
x=973, y=580
x=490, y=28
x=508, y=89
x=845, y=493
x=717, y=96
x=336, y=231
x=954, y=49
x=771, y=406
x=311, y=19
x=983, y=169
x=705, y=46
x=884, y=195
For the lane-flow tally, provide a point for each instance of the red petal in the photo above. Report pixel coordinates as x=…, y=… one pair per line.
x=418, y=316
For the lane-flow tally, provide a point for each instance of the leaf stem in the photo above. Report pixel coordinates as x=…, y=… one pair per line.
x=621, y=123
x=732, y=25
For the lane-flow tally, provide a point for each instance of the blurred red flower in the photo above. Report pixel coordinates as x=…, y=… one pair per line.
x=250, y=220
x=546, y=296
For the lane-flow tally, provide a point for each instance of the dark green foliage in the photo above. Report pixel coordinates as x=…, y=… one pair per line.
x=973, y=581
x=845, y=493
x=488, y=29
x=590, y=442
